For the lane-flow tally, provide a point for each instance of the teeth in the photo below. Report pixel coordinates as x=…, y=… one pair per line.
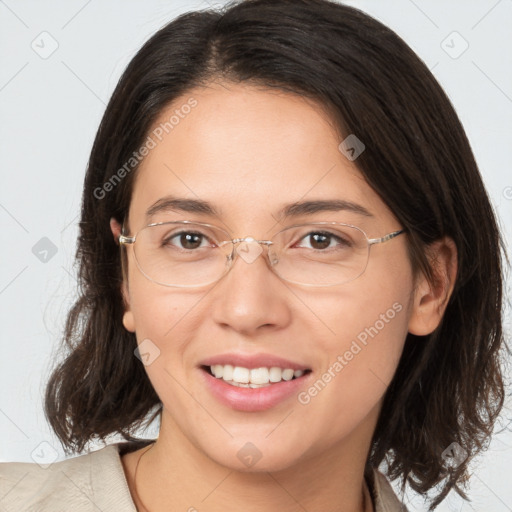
x=287, y=374
x=275, y=374
x=240, y=375
x=227, y=371
x=259, y=376
x=254, y=378
x=217, y=370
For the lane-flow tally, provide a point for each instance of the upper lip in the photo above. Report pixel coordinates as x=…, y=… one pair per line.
x=253, y=361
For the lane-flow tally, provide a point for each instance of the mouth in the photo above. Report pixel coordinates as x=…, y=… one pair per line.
x=262, y=377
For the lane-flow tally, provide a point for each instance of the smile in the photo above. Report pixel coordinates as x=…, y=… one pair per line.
x=256, y=389
x=255, y=377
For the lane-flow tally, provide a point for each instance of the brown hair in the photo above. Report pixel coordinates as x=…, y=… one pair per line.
x=448, y=386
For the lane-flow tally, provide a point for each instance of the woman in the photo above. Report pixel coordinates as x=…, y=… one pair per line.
x=287, y=255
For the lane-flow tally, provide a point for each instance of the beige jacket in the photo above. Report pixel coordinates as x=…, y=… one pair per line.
x=96, y=482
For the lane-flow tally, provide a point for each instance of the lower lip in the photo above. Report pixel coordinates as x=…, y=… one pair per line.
x=253, y=399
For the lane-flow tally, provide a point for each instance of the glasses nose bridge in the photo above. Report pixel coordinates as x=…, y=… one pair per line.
x=248, y=258
x=251, y=239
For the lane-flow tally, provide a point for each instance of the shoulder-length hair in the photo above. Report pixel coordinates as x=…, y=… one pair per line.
x=448, y=387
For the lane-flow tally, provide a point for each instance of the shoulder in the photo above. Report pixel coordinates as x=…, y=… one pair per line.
x=384, y=496
x=91, y=482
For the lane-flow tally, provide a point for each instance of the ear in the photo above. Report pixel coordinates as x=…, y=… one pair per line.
x=115, y=227
x=430, y=299
x=128, y=320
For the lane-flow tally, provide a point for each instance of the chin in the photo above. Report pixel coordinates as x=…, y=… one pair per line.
x=249, y=458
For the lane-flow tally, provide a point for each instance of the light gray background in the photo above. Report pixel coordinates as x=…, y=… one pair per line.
x=50, y=109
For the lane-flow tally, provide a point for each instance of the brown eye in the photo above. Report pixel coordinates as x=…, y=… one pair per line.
x=320, y=240
x=187, y=240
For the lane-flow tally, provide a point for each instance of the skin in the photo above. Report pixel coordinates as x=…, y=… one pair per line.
x=249, y=151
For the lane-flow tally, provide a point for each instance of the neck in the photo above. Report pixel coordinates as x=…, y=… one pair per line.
x=172, y=470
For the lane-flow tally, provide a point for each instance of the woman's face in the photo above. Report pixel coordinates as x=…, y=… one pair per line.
x=250, y=152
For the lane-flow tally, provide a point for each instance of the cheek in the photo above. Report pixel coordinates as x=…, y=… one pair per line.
x=360, y=336
x=164, y=316
x=348, y=391
x=165, y=323
x=154, y=307
x=368, y=334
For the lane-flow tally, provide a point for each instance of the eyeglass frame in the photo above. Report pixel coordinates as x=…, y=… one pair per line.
x=130, y=240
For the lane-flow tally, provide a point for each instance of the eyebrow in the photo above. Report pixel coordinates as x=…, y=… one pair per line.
x=199, y=206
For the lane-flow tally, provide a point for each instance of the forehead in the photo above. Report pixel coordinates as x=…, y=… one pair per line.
x=248, y=151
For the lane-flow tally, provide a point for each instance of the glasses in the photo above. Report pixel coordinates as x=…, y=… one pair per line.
x=187, y=254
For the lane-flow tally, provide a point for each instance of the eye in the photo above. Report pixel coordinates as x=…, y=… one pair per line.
x=188, y=240
x=320, y=240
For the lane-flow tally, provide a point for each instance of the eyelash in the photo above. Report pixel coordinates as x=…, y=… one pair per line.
x=166, y=241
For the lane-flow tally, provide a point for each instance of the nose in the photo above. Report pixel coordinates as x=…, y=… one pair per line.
x=250, y=296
